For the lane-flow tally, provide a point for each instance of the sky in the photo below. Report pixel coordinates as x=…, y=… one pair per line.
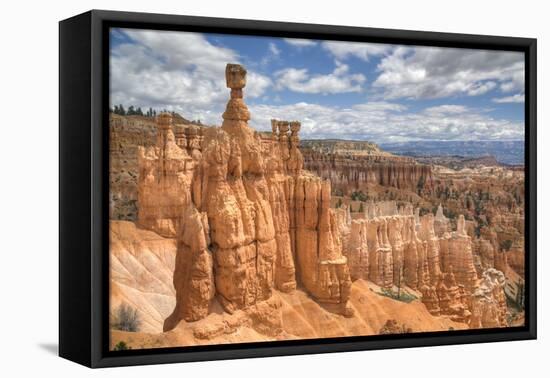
x=346, y=90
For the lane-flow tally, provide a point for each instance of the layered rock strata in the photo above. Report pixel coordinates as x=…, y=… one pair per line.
x=348, y=172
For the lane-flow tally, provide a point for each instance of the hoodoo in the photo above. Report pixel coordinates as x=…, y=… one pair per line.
x=250, y=215
x=257, y=237
x=297, y=207
x=249, y=219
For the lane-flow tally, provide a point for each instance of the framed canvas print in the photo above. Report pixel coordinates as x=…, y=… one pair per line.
x=234, y=188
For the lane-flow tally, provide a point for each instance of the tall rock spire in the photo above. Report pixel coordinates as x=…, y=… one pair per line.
x=236, y=112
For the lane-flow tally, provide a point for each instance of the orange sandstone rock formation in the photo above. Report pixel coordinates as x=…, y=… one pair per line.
x=194, y=262
x=232, y=193
x=392, y=327
x=165, y=174
x=385, y=248
x=348, y=171
x=488, y=301
x=459, y=257
x=322, y=267
x=357, y=251
x=250, y=220
x=392, y=247
x=427, y=234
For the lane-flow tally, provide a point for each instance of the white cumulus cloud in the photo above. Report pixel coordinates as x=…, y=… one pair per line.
x=389, y=122
x=339, y=81
x=446, y=109
x=517, y=98
x=429, y=72
x=361, y=50
x=185, y=72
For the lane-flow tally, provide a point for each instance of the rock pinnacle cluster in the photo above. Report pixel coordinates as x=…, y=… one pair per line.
x=252, y=225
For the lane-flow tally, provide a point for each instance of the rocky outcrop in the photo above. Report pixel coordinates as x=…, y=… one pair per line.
x=281, y=193
x=397, y=242
x=441, y=223
x=189, y=138
x=164, y=182
x=458, y=279
x=357, y=251
x=194, y=284
x=459, y=256
x=126, y=135
x=453, y=300
x=431, y=242
x=489, y=302
x=392, y=327
x=493, y=201
x=322, y=267
x=380, y=252
x=232, y=191
x=392, y=247
x=386, y=249
x=515, y=257
x=487, y=254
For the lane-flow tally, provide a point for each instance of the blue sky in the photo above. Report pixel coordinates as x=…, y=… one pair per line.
x=376, y=92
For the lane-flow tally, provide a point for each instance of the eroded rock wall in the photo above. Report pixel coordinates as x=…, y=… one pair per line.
x=387, y=251
x=322, y=267
x=392, y=247
x=164, y=182
x=349, y=173
x=194, y=263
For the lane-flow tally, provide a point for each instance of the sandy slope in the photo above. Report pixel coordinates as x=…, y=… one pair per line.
x=307, y=319
x=142, y=266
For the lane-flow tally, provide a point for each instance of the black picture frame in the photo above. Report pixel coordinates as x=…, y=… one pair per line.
x=83, y=182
